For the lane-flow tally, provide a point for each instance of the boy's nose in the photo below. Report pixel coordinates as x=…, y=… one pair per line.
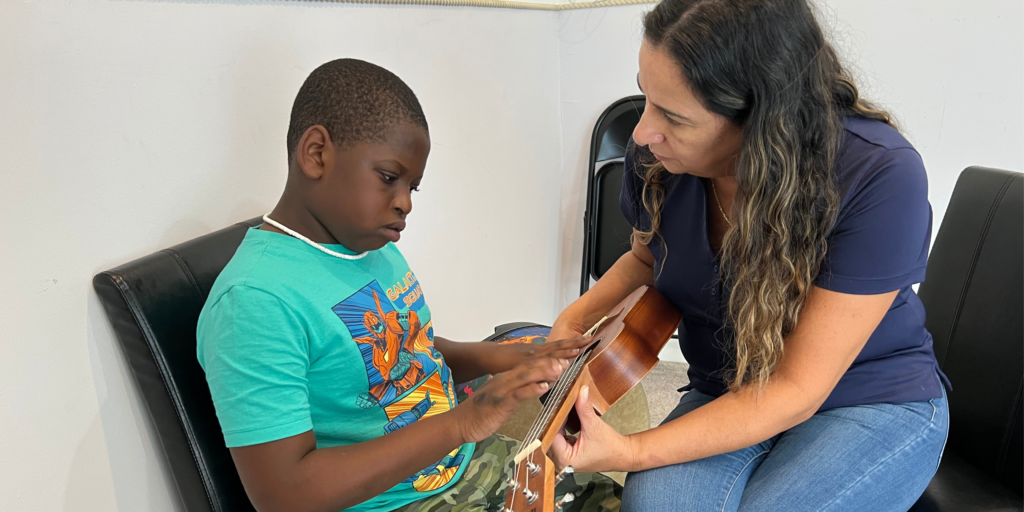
x=402, y=204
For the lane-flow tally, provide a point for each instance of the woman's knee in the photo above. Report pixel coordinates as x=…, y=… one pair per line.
x=715, y=483
x=659, y=489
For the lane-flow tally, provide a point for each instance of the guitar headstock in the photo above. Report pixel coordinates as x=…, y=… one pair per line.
x=531, y=486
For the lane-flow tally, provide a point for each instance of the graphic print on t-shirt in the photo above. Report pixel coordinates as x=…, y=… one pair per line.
x=406, y=375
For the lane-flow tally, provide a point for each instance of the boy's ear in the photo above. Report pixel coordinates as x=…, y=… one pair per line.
x=315, y=154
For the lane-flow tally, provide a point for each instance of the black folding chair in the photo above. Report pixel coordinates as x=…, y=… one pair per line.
x=606, y=231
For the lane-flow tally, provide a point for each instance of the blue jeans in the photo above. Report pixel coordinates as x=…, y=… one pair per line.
x=877, y=457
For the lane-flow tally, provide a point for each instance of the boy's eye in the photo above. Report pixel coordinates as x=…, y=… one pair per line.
x=414, y=188
x=388, y=178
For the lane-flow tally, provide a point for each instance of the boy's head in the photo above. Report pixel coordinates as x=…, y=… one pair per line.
x=357, y=146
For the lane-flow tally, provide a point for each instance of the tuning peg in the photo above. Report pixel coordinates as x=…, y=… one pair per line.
x=530, y=496
x=533, y=468
x=513, y=483
x=567, y=499
x=564, y=473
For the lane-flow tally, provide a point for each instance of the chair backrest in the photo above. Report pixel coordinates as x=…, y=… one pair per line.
x=606, y=230
x=974, y=298
x=153, y=304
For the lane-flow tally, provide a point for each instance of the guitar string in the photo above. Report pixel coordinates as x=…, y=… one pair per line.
x=557, y=396
x=559, y=391
x=563, y=386
x=558, y=400
x=534, y=432
x=538, y=425
x=554, y=402
x=526, y=441
x=556, y=390
x=545, y=418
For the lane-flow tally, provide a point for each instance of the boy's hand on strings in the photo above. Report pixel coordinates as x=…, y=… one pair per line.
x=597, y=447
x=471, y=360
x=568, y=349
x=491, y=405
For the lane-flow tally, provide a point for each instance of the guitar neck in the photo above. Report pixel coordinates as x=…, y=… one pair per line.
x=556, y=398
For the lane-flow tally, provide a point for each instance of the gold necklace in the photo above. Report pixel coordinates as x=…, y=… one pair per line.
x=719, y=203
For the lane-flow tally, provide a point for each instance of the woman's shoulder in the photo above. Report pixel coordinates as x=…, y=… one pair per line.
x=874, y=153
x=874, y=134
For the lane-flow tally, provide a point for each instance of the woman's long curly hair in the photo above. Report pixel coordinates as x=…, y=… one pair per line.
x=766, y=66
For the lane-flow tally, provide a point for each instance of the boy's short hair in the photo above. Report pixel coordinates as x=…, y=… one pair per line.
x=355, y=100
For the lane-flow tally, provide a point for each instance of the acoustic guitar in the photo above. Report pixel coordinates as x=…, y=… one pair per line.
x=625, y=349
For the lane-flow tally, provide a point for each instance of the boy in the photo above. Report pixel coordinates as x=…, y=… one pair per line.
x=330, y=387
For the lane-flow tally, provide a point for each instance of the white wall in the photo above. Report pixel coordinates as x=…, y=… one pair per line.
x=952, y=73
x=128, y=126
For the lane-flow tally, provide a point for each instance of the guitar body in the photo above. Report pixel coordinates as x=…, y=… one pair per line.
x=625, y=350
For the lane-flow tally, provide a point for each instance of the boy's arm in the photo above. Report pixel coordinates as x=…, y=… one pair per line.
x=292, y=475
x=469, y=360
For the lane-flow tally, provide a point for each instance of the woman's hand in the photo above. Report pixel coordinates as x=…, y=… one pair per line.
x=598, y=447
x=565, y=329
x=630, y=271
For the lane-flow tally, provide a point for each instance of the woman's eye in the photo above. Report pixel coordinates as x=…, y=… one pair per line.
x=671, y=121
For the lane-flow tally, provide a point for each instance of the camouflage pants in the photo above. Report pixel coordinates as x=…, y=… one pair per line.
x=482, y=486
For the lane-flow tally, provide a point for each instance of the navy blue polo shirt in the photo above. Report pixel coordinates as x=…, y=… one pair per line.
x=879, y=244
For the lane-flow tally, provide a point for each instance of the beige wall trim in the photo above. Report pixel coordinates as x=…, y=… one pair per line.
x=502, y=4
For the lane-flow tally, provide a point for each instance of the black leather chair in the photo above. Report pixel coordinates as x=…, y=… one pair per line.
x=153, y=304
x=974, y=298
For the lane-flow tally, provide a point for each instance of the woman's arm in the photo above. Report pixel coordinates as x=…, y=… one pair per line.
x=630, y=271
x=471, y=360
x=832, y=330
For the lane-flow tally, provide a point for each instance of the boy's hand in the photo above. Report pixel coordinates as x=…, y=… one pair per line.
x=518, y=353
x=492, y=404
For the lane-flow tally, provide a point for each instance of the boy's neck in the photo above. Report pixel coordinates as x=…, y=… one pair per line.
x=298, y=218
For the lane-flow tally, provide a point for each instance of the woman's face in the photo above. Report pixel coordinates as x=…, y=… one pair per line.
x=686, y=137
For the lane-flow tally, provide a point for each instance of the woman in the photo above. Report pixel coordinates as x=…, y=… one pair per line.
x=787, y=220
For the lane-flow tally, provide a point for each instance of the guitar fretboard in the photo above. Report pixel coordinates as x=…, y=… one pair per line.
x=557, y=395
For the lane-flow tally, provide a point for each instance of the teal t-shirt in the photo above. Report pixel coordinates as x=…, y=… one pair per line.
x=293, y=339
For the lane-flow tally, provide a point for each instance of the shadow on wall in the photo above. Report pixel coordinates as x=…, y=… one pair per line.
x=123, y=424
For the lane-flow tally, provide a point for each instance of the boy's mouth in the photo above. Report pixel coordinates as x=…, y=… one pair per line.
x=393, y=231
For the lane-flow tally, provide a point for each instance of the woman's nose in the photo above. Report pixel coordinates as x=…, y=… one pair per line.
x=645, y=132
